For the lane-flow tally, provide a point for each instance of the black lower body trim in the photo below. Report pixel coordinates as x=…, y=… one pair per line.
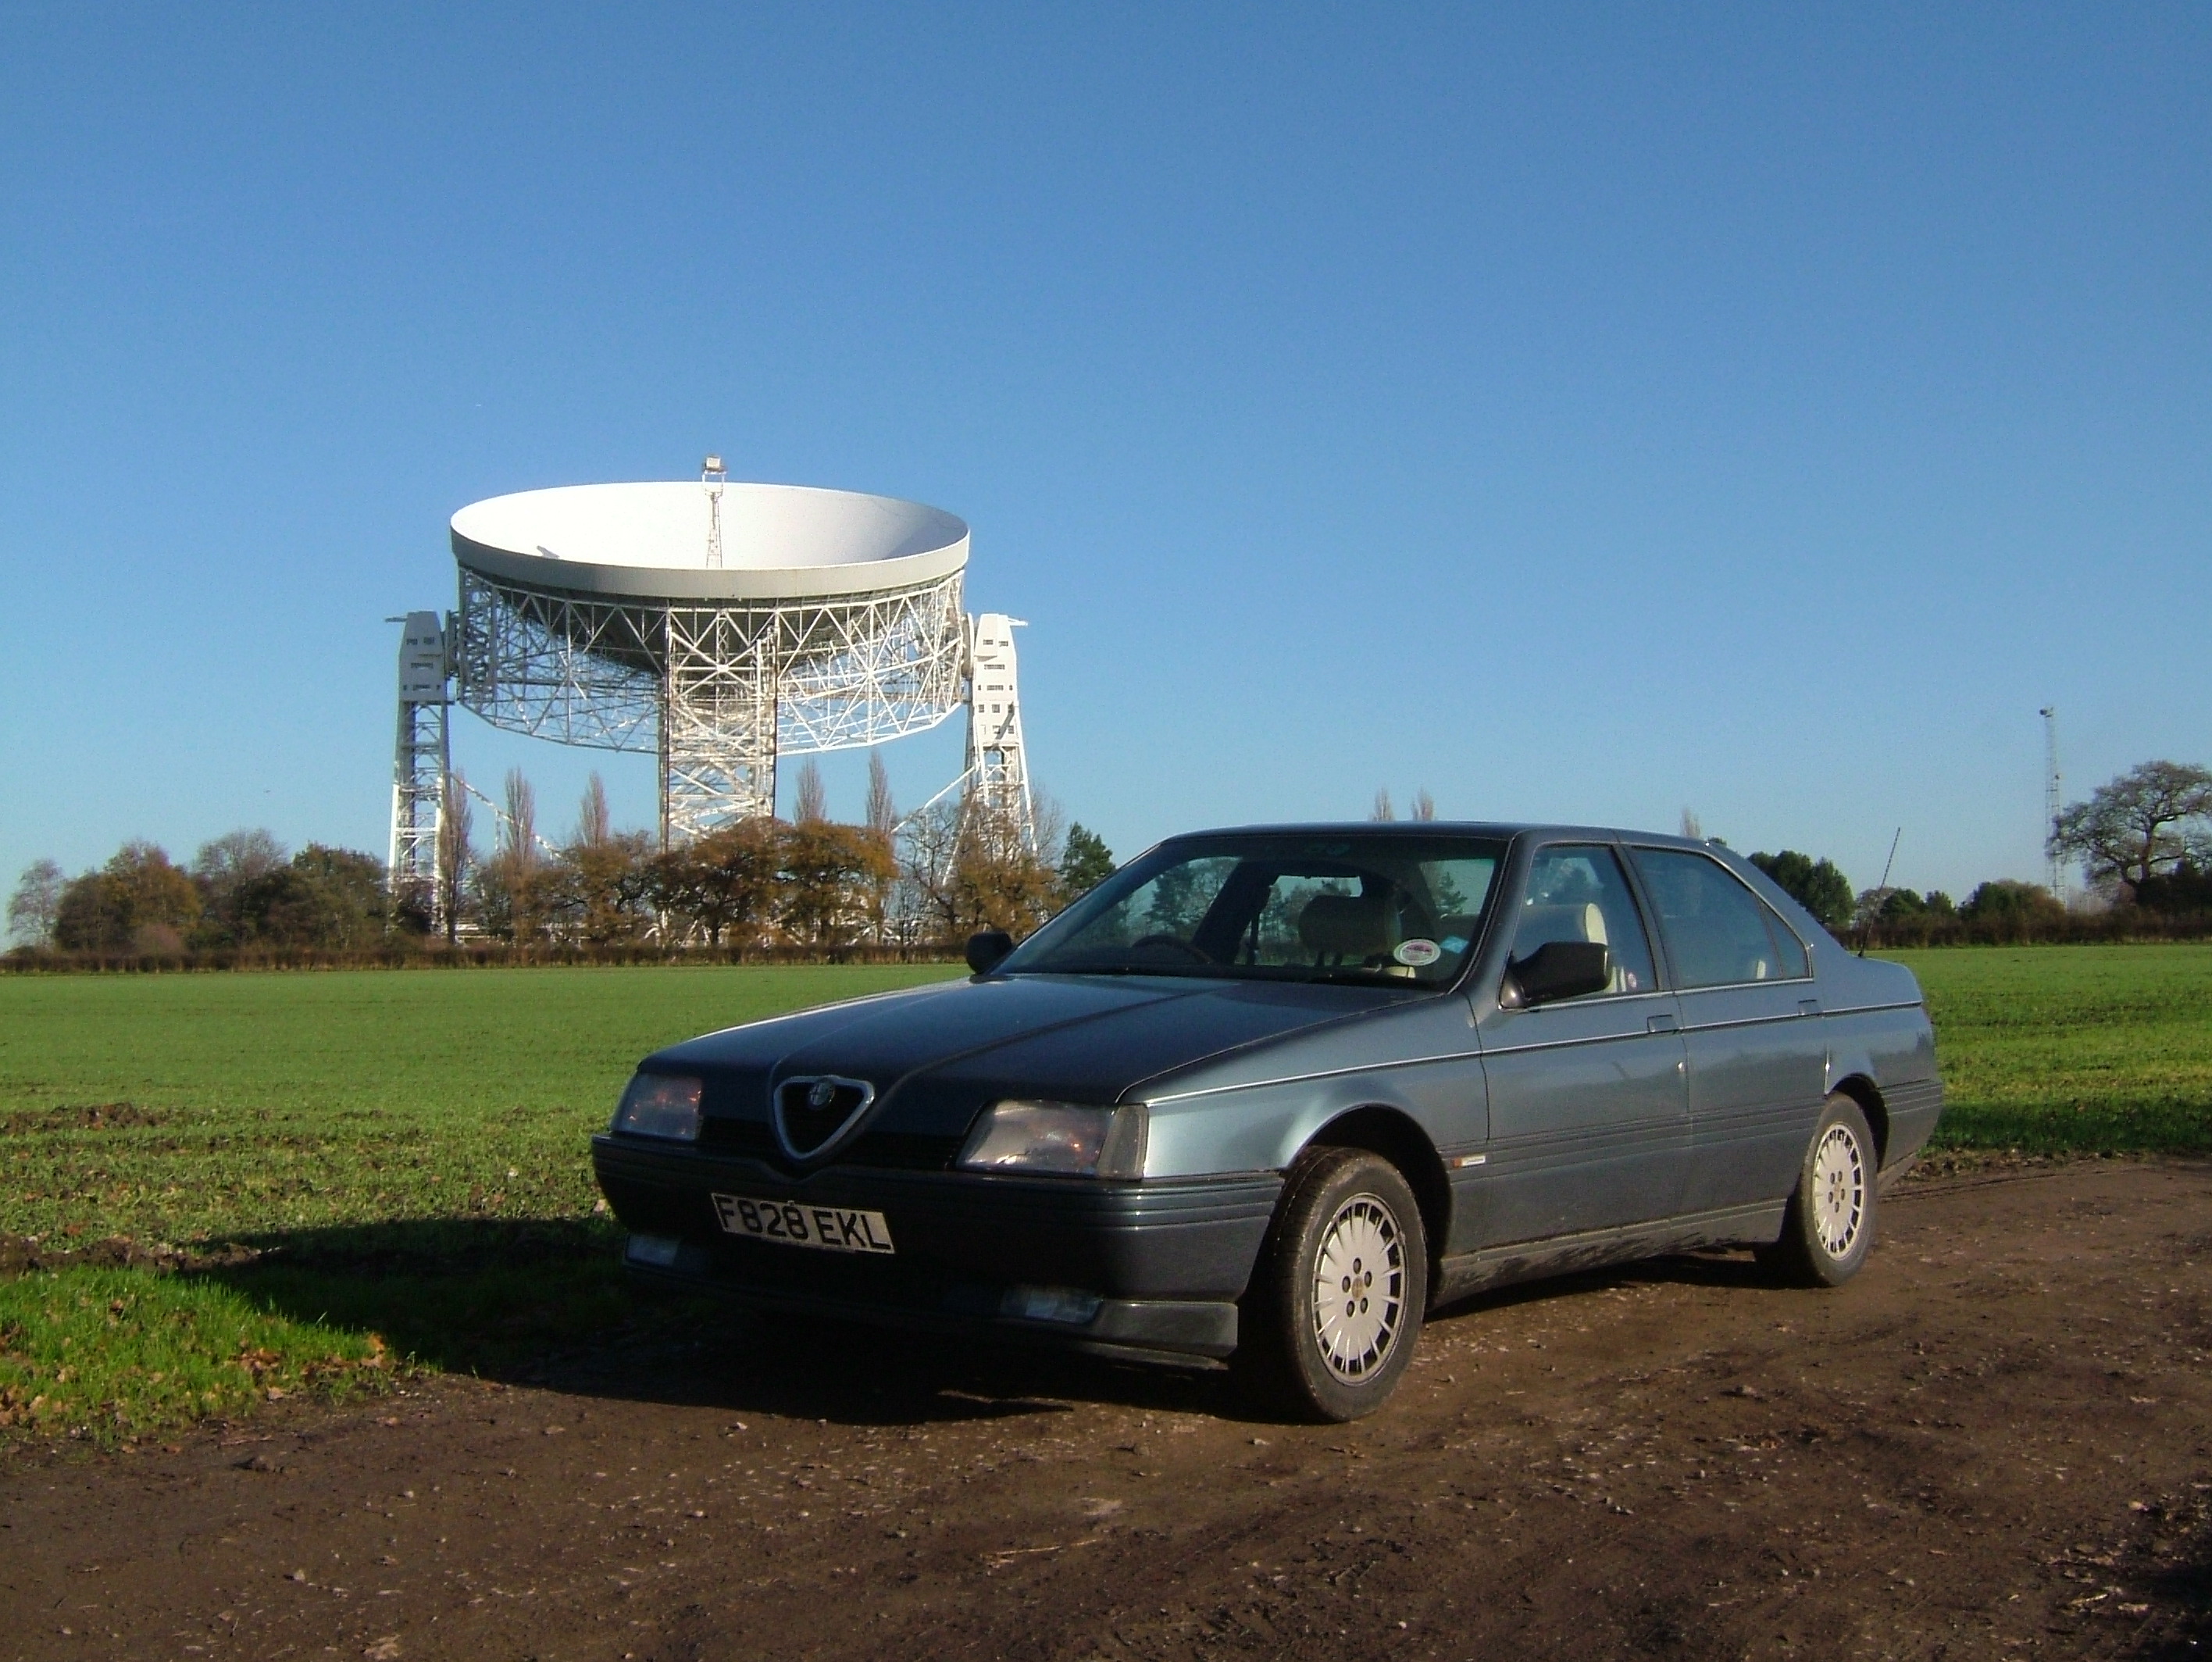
x=1533, y=1260
x=1184, y=1331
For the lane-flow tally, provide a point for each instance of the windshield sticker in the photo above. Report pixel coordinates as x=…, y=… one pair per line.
x=1418, y=951
x=1454, y=942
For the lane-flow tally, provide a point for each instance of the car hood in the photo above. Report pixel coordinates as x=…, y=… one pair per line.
x=936, y=1055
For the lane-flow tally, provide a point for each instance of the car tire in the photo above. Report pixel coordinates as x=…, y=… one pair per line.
x=1828, y=1228
x=1330, y=1322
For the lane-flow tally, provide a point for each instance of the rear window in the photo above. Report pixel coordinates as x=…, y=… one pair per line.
x=1718, y=933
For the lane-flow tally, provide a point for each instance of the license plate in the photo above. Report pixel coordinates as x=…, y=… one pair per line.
x=830, y=1229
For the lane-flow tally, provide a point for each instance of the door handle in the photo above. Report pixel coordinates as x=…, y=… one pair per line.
x=1808, y=1006
x=1659, y=1024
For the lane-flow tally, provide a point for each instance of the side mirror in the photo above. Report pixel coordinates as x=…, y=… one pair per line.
x=986, y=947
x=1561, y=969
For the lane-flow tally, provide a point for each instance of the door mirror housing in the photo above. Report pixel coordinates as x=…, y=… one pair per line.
x=985, y=947
x=1556, y=970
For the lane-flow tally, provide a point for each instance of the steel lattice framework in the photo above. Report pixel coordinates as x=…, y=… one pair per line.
x=422, y=758
x=718, y=690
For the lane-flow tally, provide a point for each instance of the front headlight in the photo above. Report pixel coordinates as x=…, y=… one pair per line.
x=660, y=1105
x=1057, y=1139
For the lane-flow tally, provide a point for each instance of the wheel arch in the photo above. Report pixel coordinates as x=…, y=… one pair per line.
x=1864, y=1092
x=1397, y=1137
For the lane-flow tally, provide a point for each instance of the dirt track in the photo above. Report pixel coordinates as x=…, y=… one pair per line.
x=1996, y=1443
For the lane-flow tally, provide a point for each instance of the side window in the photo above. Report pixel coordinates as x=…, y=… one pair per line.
x=1580, y=893
x=1796, y=966
x=1717, y=931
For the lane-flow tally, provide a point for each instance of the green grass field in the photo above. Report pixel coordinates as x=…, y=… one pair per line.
x=2073, y=1049
x=410, y=1148
x=254, y=1104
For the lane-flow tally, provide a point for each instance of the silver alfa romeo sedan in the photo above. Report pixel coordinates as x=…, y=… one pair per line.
x=1269, y=1096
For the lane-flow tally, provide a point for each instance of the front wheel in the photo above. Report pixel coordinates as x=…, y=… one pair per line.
x=1829, y=1227
x=1335, y=1307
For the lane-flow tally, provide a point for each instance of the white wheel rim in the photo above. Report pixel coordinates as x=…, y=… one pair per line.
x=1838, y=1190
x=1359, y=1288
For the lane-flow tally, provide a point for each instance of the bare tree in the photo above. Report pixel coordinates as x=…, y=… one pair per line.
x=37, y=900
x=511, y=887
x=1691, y=827
x=811, y=805
x=517, y=825
x=882, y=817
x=2141, y=825
x=1425, y=805
x=234, y=858
x=1383, y=809
x=594, y=824
x=456, y=853
x=922, y=903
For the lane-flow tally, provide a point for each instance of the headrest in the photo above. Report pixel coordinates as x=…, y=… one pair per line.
x=1345, y=926
x=1542, y=924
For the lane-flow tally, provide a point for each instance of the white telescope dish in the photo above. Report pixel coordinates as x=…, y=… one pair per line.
x=718, y=624
x=653, y=542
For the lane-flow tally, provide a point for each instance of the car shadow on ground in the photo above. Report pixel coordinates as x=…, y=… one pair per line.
x=547, y=1303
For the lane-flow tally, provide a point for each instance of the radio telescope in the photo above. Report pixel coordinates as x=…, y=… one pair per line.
x=717, y=625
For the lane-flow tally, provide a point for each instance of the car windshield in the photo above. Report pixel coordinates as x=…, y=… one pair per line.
x=1376, y=908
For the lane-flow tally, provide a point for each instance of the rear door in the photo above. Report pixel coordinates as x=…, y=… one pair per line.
x=1589, y=1117
x=1758, y=1052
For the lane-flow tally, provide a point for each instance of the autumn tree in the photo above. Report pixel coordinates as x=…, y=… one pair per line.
x=725, y=883
x=140, y=900
x=998, y=879
x=833, y=877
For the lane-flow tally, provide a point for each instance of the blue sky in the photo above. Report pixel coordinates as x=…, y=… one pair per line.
x=1581, y=413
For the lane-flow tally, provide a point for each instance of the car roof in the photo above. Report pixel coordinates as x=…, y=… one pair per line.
x=1496, y=828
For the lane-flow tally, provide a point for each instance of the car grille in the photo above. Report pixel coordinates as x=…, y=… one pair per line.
x=812, y=1112
x=907, y=1151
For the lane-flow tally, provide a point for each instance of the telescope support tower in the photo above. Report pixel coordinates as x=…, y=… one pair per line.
x=423, y=757
x=998, y=768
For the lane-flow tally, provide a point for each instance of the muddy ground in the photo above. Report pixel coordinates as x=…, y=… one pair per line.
x=1996, y=1443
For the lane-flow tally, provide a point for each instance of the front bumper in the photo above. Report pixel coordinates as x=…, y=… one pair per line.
x=1166, y=1260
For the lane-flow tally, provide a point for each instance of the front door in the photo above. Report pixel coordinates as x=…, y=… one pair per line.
x=1588, y=1119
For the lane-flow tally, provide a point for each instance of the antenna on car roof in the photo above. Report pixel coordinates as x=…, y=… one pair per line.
x=1884, y=883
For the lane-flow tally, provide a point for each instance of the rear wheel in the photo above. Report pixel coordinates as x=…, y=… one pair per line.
x=1335, y=1307
x=1829, y=1228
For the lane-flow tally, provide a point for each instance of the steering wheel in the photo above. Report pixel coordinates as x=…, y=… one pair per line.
x=1195, y=954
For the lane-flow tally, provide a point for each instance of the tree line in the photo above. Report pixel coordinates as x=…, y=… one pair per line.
x=2143, y=841
x=806, y=884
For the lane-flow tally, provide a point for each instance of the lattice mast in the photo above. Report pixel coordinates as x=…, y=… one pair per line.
x=713, y=478
x=2054, y=804
x=423, y=755
x=998, y=768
